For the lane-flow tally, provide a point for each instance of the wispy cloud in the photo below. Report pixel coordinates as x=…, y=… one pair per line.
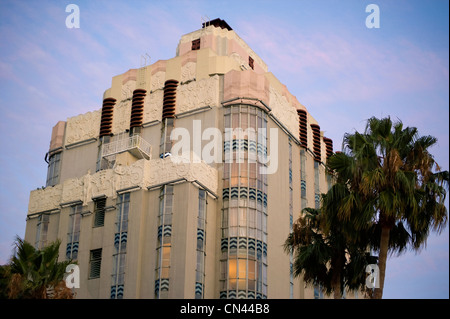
x=349, y=68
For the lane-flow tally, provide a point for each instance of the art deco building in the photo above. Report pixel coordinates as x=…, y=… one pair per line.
x=203, y=214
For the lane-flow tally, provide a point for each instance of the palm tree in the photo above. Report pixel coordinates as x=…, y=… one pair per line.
x=312, y=251
x=4, y=281
x=324, y=255
x=390, y=171
x=34, y=273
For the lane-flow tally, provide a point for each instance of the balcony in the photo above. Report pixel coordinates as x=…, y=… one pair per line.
x=135, y=145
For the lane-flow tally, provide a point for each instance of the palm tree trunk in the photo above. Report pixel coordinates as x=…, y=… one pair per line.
x=337, y=291
x=384, y=244
x=336, y=284
x=337, y=264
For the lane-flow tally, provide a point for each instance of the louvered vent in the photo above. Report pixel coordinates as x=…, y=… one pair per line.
x=137, y=108
x=95, y=263
x=302, y=126
x=316, y=142
x=329, y=146
x=107, y=116
x=99, y=210
x=170, y=92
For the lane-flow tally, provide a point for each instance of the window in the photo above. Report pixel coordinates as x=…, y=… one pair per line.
x=165, y=146
x=120, y=246
x=201, y=251
x=95, y=262
x=164, y=242
x=243, y=264
x=99, y=212
x=303, y=178
x=291, y=221
x=54, y=165
x=318, y=292
x=73, y=235
x=42, y=230
x=251, y=62
x=196, y=44
x=316, y=186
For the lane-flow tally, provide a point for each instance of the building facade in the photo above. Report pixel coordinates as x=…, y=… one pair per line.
x=187, y=181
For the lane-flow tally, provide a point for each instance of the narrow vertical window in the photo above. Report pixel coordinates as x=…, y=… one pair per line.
x=201, y=243
x=316, y=186
x=166, y=142
x=303, y=178
x=73, y=235
x=95, y=262
x=291, y=221
x=53, y=171
x=41, y=231
x=318, y=292
x=120, y=246
x=164, y=243
x=168, y=115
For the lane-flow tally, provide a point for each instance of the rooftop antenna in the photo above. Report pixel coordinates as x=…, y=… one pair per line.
x=145, y=59
x=205, y=21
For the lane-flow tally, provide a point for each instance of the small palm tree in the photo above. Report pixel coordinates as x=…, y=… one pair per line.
x=32, y=272
x=4, y=281
x=324, y=255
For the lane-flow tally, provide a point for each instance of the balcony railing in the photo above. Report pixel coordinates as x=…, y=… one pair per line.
x=135, y=144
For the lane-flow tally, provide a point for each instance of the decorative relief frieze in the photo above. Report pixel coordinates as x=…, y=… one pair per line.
x=188, y=71
x=196, y=94
x=128, y=176
x=284, y=111
x=45, y=199
x=121, y=117
x=141, y=173
x=166, y=170
x=158, y=80
x=153, y=106
x=73, y=189
x=127, y=89
x=83, y=127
